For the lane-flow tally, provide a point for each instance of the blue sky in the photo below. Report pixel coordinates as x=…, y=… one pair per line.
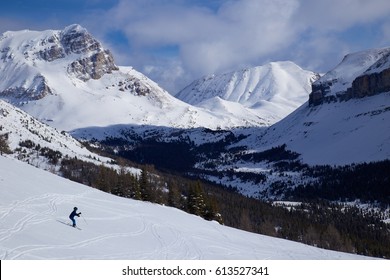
x=176, y=41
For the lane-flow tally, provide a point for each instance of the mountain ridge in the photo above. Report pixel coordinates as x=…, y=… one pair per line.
x=131, y=114
x=66, y=78
x=340, y=82
x=272, y=90
x=330, y=122
x=338, y=131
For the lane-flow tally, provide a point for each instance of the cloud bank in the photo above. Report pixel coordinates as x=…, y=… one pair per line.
x=242, y=33
x=177, y=41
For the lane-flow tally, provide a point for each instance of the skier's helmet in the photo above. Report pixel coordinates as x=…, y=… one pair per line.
x=75, y=208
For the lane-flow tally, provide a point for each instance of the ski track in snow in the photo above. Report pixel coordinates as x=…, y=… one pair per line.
x=168, y=240
x=48, y=205
x=35, y=210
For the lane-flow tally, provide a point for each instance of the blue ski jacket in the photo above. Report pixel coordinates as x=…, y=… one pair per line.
x=71, y=216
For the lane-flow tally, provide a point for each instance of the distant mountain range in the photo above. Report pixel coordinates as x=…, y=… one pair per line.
x=237, y=129
x=66, y=78
x=347, y=117
x=346, y=121
x=272, y=132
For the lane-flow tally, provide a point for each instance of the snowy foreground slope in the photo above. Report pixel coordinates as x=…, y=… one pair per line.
x=34, y=207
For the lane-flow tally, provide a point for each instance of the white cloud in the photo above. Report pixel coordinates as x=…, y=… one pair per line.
x=238, y=33
x=385, y=29
x=338, y=15
x=208, y=41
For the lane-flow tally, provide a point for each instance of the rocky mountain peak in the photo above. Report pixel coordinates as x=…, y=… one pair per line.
x=76, y=39
x=26, y=53
x=358, y=75
x=95, y=62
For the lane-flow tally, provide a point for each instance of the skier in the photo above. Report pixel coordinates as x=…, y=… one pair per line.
x=71, y=216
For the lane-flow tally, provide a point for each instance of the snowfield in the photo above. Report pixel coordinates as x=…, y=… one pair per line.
x=338, y=133
x=34, y=209
x=271, y=91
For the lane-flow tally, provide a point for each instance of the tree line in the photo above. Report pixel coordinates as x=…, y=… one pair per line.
x=367, y=182
x=149, y=185
x=318, y=223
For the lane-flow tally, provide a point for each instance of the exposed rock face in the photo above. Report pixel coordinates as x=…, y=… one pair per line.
x=94, y=61
x=373, y=80
x=371, y=84
x=81, y=54
x=36, y=91
x=76, y=39
x=52, y=53
x=93, y=67
x=316, y=97
x=54, y=50
x=97, y=61
x=365, y=85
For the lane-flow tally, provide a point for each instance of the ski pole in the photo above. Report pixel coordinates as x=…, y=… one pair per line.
x=83, y=219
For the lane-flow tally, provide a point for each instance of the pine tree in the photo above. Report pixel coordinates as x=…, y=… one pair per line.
x=245, y=221
x=136, y=190
x=174, y=195
x=4, y=147
x=211, y=210
x=145, y=186
x=196, y=201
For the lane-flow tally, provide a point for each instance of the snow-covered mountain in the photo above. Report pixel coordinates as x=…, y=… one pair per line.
x=346, y=121
x=66, y=78
x=349, y=132
x=34, y=209
x=271, y=91
x=338, y=83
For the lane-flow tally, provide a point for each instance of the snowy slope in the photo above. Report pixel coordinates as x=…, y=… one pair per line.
x=34, y=206
x=348, y=122
x=350, y=130
x=21, y=127
x=339, y=79
x=66, y=78
x=337, y=133
x=271, y=91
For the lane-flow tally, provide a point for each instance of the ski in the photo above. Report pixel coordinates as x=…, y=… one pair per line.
x=75, y=227
x=68, y=224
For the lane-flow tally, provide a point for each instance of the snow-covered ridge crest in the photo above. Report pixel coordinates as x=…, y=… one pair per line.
x=66, y=78
x=340, y=82
x=271, y=91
